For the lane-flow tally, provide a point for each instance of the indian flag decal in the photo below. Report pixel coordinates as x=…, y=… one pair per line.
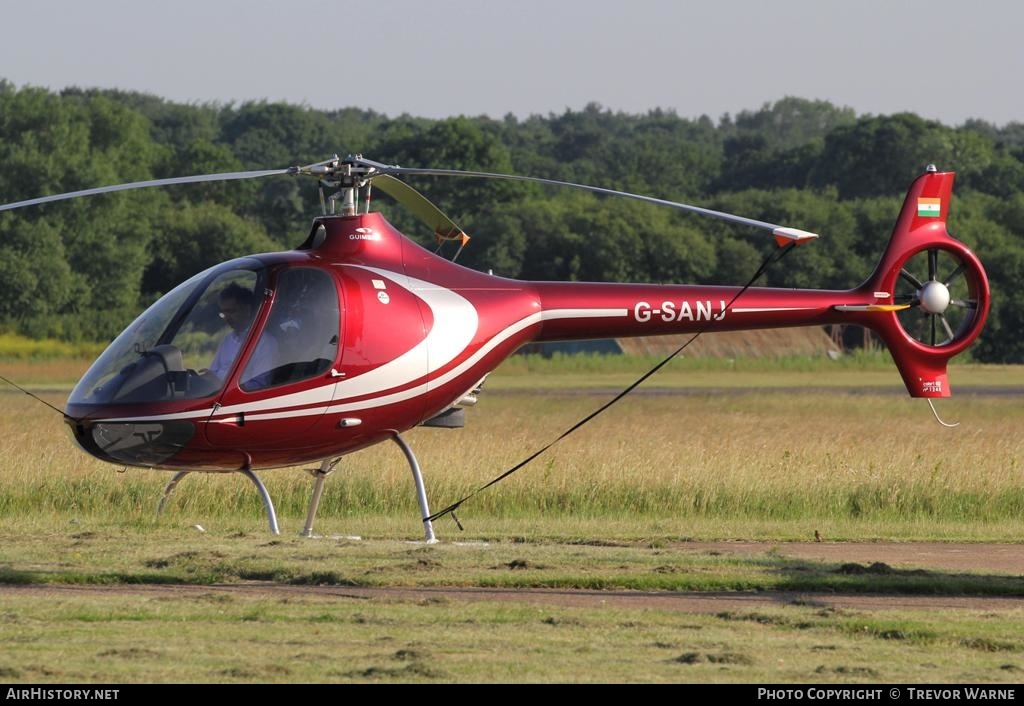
x=929, y=208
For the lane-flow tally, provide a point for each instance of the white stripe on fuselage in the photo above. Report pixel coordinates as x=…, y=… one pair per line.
x=458, y=370
x=762, y=309
x=442, y=302
x=455, y=325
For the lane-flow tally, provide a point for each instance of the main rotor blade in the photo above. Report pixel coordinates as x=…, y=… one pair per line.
x=226, y=176
x=420, y=206
x=780, y=232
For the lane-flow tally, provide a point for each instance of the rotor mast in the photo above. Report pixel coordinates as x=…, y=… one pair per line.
x=344, y=176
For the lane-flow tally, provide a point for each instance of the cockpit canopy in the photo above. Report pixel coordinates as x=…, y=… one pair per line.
x=187, y=345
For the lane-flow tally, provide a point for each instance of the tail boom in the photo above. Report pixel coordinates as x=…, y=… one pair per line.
x=574, y=311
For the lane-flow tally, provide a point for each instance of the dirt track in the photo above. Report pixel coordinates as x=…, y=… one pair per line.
x=938, y=556
x=1003, y=559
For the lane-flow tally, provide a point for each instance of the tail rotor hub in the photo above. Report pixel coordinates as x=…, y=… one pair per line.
x=934, y=297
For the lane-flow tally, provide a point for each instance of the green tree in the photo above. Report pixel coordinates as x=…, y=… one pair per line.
x=792, y=122
x=50, y=144
x=195, y=237
x=880, y=156
x=454, y=143
x=36, y=282
x=274, y=136
x=830, y=262
x=83, y=268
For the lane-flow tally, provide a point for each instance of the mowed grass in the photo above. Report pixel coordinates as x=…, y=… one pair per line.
x=236, y=637
x=604, y=510
x=222, y=624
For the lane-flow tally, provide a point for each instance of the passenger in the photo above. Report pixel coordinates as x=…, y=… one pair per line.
x=238, y=307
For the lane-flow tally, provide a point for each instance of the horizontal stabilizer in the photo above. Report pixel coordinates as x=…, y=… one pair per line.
x=785, y=235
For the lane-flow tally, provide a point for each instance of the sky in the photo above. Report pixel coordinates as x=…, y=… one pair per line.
x=947, y=60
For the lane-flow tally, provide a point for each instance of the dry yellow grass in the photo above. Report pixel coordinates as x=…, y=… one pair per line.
x=860, y=464
x=56, y=373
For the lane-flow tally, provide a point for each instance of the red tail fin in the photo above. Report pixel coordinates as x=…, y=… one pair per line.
x=938, y=284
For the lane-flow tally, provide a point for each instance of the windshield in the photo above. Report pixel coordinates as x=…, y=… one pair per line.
x=182, y=347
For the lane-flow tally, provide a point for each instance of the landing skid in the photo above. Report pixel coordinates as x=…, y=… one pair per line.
x=268, y=504
x=327, y=467
x=320, y=477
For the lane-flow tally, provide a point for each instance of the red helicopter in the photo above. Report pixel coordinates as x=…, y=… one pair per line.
x=360, y=334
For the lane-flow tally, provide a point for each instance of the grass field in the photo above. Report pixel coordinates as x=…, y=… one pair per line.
x=715, y=462
x=746, y=451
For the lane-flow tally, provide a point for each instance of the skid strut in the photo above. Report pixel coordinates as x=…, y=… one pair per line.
x=168, y=489
x=327, y=467
x=421, y=492
x=268, y=504
x=319, y=475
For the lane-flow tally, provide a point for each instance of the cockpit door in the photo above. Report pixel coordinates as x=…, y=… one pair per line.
x=284, y=379
x=386, y=359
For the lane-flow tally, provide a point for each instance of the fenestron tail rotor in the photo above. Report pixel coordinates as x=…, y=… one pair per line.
x=941, y=289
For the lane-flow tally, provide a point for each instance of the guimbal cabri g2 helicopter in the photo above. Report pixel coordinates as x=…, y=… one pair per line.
x=360, y=334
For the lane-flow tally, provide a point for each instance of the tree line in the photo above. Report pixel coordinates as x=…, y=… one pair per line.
x=82, y=269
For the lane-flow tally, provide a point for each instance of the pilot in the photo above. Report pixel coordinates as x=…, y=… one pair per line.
x=238, y=307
